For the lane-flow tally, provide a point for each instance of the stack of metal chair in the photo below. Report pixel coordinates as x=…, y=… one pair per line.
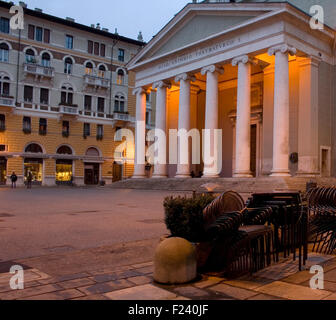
x=322, y=219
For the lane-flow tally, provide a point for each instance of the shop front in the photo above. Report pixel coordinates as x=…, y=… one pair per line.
x=35, y=166
x=92, y=163
x=3, y=170
x=64, y=166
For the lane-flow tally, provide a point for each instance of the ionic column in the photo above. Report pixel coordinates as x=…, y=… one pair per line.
x=243, y=126
x=140, y=134
x=211, y=121
x=308, y=117
x=281, y=110
x=160, y=169
x=183, y=153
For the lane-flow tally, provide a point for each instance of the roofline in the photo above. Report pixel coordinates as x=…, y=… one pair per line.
x=48, y=17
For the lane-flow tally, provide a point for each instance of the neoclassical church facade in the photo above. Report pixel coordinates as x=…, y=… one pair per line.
x=256, y=70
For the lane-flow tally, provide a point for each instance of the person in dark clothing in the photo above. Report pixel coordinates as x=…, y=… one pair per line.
x=13, y=178
x=29, y=180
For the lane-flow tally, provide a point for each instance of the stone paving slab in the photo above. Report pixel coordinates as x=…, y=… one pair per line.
x=59, y=295
x=233, y=292
x=292, y=291
x=145, y=292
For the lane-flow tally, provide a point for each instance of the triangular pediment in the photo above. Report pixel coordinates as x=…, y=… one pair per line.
x=196, y=23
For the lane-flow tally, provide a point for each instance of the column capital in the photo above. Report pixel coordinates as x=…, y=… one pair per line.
x=139, y=90
x=283, y=48
x=243, y=59
x=212, y=68
x=185, y=77
x=161, y=84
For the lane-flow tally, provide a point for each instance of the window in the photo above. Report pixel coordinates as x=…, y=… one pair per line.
x=148, y=117
x=43, y=126
x=44, y=96
x=87, y=103
x=46, y=60
x=87, y=130
x=33, y=147
x=38, y=34
x=147, y=97
x=119, y=104
x=69, y=42
x=68, y=66
x=100, y=132
x=64, y=149
x=120, y=77
x=66, y=128
x=28, y=94
x=26, y=125
x=67, y=95
x=90, y=47
x=121, y=55
x=4, y=25
x=4, y=52
x=89, y=68
x=101, y=71
x=4, y=86
x=2, y=122
x=101, y=105
x=30, y=56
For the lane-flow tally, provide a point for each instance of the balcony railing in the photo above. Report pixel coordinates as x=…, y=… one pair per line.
x=70, y=110
x=36, y=69
x=95, y=81
x=7, y=101
x=123, y=117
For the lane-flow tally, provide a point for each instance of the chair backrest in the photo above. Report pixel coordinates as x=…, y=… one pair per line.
x=228, y=202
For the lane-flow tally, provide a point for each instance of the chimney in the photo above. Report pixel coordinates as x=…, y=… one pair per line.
x=106, y=29
x=140, y=36
x=38, y=10
x=70, y=19
x=98, y=26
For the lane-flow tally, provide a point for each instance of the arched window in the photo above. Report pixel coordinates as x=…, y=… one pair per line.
x=46, y=59
x=92, y=152
x=67, y=95
x=89, y=68
x=4, y=85
x=120, y=77
x=4, y=52
x=33, y=148
x=68, y=66
x=30, y=56
x=101, y=71
x=119, y=103
x=64, y=150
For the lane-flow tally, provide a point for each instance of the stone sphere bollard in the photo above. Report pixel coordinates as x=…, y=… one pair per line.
x=175, y=262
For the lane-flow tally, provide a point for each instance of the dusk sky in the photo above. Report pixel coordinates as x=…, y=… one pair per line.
x=128, y=16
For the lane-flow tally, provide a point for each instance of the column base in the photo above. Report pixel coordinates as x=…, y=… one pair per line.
x=210, y=176
x=308, y=174
x=276, y=174
x=183, y=176
x=246, y=174
x=159, y=176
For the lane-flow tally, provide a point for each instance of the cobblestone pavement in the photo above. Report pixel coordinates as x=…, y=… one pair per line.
x=135, y=282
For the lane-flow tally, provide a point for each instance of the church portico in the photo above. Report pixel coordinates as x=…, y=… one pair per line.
x=259, y=88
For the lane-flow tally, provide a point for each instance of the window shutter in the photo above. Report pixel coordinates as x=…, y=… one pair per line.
x=31, y=32
x=46, y=35
x=96, y=48
x=90, y=47
x=102, y=50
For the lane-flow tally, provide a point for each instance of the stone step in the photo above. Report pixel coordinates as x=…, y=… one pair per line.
x=262, y=184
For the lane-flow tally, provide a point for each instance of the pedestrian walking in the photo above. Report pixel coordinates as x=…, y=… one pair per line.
x=29, y=180
x=13, y=178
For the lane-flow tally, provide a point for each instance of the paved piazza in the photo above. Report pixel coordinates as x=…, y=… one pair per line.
x=55, y=220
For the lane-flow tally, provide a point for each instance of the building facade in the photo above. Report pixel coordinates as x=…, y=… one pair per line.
x=64, y=93
x=255, y=70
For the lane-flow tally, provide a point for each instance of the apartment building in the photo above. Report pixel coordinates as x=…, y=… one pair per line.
x=64, y=94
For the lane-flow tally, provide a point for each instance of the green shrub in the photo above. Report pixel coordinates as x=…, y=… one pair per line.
x=184, y=216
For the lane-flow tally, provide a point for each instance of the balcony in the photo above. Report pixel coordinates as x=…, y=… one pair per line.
x=125, y=117
x=39, y=71
x=96, y=81
x=7, y=101
x=70, y=110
